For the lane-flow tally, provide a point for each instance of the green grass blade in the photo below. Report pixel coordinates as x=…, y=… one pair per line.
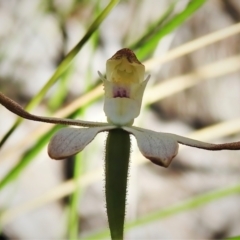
x=27, y=158
x=63, y=65
x=153, y=28
x=73, y=217
x=184, y=206
x=60, y=94
x=173, y=23
x=10, y=131
x=70, y=56
x=73, y=222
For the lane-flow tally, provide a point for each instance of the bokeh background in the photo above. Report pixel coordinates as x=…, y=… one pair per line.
x=196, y=94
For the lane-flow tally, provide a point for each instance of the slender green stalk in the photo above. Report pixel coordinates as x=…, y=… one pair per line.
x=168, y=27
x=116, y=173
x=155, y=27
x=27, y=157
x=57, y=98
x=186, y=205
x=73, y=228
x=235, y=238
x=177, y=208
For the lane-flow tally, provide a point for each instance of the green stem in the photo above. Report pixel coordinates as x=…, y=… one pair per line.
x=116, y=173
x=73, y=220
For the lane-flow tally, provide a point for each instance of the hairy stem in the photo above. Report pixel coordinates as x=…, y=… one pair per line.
x=116, y=173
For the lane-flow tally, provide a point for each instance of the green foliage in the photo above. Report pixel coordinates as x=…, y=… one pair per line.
x=164, y=26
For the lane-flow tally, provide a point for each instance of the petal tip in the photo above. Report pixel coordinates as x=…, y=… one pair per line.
x=161, y=162
x=53, y=154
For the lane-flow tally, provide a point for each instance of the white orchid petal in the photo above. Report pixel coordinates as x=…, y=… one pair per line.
x=160, y=148
x=137, y=90
x=69, y=141
x=121, y=111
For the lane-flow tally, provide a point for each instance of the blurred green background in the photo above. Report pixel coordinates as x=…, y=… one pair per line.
x=50, y=52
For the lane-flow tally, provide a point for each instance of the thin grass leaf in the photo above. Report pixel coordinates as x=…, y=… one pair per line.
x=63, y=66
x=184, y=206
x=177, y=84
x=173, y=23
x=153, y=28
x=73, y=218
x=96, y=36
x=27, y=158
x=58, y=97
x=193, y=45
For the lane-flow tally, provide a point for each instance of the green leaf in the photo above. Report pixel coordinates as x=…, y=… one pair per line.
x=116, y=173
x=58, y=97
x=73, y=229
x=153, y=28
x=184, y=206
x=168, y=27
x=73, y=218
x=27, y=158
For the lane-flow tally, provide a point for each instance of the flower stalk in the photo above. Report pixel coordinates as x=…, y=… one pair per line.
x=116, y=174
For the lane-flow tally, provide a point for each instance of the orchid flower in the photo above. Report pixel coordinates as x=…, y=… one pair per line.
x=124, y=86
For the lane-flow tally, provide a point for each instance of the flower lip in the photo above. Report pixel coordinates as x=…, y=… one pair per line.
x=120, y=92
